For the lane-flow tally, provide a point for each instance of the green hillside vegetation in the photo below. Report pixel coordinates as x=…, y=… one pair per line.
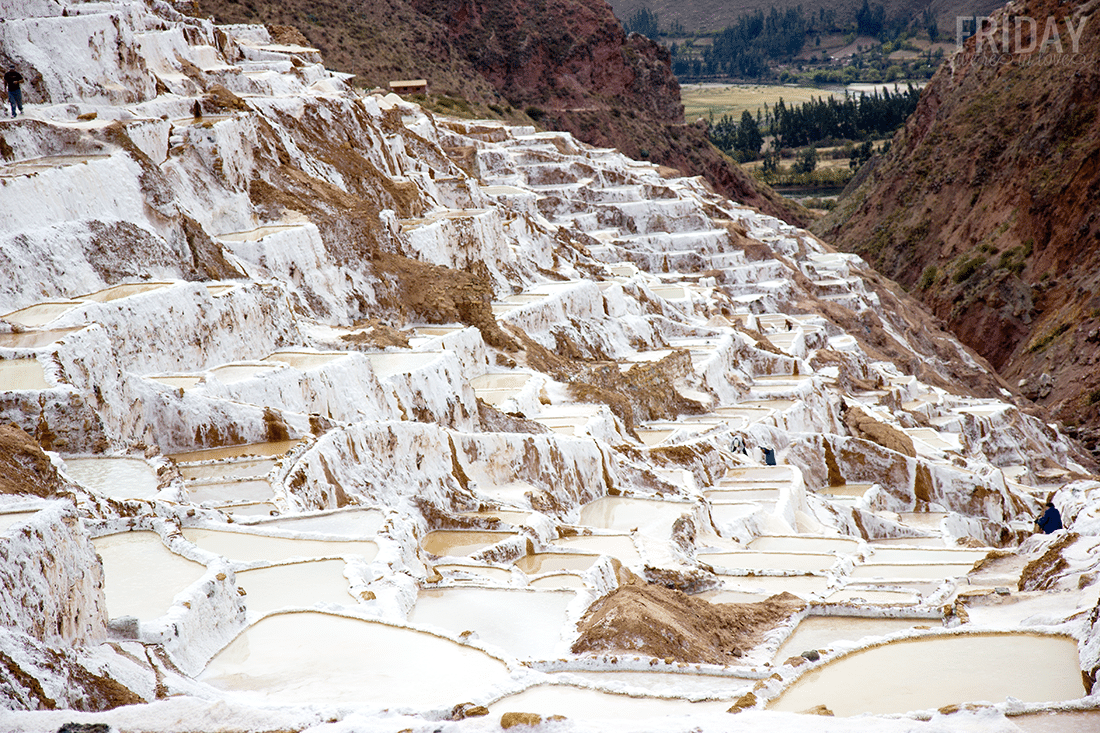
x=708, y=16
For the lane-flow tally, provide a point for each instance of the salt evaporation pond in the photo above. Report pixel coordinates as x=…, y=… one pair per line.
x=234, y=373
x=558, y=581
x=576, y=702
x=247, y=547
x=803, y=586
x=651, y=516
x=685, y=684
x=458, y=543
x=296, y=584
x=908, y=571
x=272, y=448
x=526, y=624
x=485, y=572
x=824, y=632
x=141, y=575
x=17, y=374
x=548, y=562
x=1084, y=721
x=933, y=672
x=239, y=468
x=40, y=314
x=354, y=523
x=118, y=292
x=750, y=560
x=289, y=659
x=118, y=478
x=617, y=546
x=249, y=490
x=11, y=519
x=803, y=543
x=34, y=339
x=305, y=360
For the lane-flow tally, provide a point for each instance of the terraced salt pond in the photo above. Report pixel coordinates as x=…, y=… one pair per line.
x=34, y=339
x=576, y=702
x=803, y=543
x=11, y=519
x=40, y=314
x=354, y=523
x=141, y=576
x=249, y=547
x=618, y=546
x=933, y=672
x=273, y=448
x=479, y=573
x=19, y=374
x=118, y=292
x=289, y=658
x=458, y=543
x=755, y=561
x=526, y=624
x=548, y=562
x=227, y=470
x=650, y=516
x=118, y=478
x=252, y=490
x=305, y=360
x=295, y=584
x=825, y=632
x=803, y=586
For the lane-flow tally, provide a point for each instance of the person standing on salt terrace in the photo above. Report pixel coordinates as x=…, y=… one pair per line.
x=1051, y=520
x=12, y=80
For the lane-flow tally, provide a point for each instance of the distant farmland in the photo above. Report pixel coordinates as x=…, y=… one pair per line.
x=704, y=100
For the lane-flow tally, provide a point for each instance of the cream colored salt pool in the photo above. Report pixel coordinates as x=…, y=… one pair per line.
x=804, y=543
x=248, y=547
x=295, y=584
x=273, y=448
x=785, y=561
x=803, y=586
x=141, y=576
x=576, y=702
x=557, y=581
x=482, y=572
x=234, y=373
x=177, y=381
x=549, y=562
x=118, y=478
x=226, y=470
x=746, y=494
x=305, y=360
x=825, y=632
x=118, y=292
x=650, y=516
x=353, y=523
x=10, y=519
x=250, y=490
x=40, y=314
x=618, y=546
x=911, y=571
x=944, y=670
x=34, y=339
x=390, y=364
x=290, y=659
x=527, y=624
x=457, y=542
x=20, y=374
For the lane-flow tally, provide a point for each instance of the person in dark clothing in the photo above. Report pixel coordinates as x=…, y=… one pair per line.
x=1051, y=520
x=12, y=80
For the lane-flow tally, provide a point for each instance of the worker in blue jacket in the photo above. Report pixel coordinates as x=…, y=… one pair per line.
x=1051, y=520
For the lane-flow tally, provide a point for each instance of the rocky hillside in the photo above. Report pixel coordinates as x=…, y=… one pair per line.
x=986, y=208
x=566, y=65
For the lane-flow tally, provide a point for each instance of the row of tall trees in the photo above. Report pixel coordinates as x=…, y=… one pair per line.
x=816, y=121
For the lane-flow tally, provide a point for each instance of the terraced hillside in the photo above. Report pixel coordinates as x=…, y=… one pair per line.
x=321, y=412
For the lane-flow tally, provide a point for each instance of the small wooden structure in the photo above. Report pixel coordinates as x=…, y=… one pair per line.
x=409, y=86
